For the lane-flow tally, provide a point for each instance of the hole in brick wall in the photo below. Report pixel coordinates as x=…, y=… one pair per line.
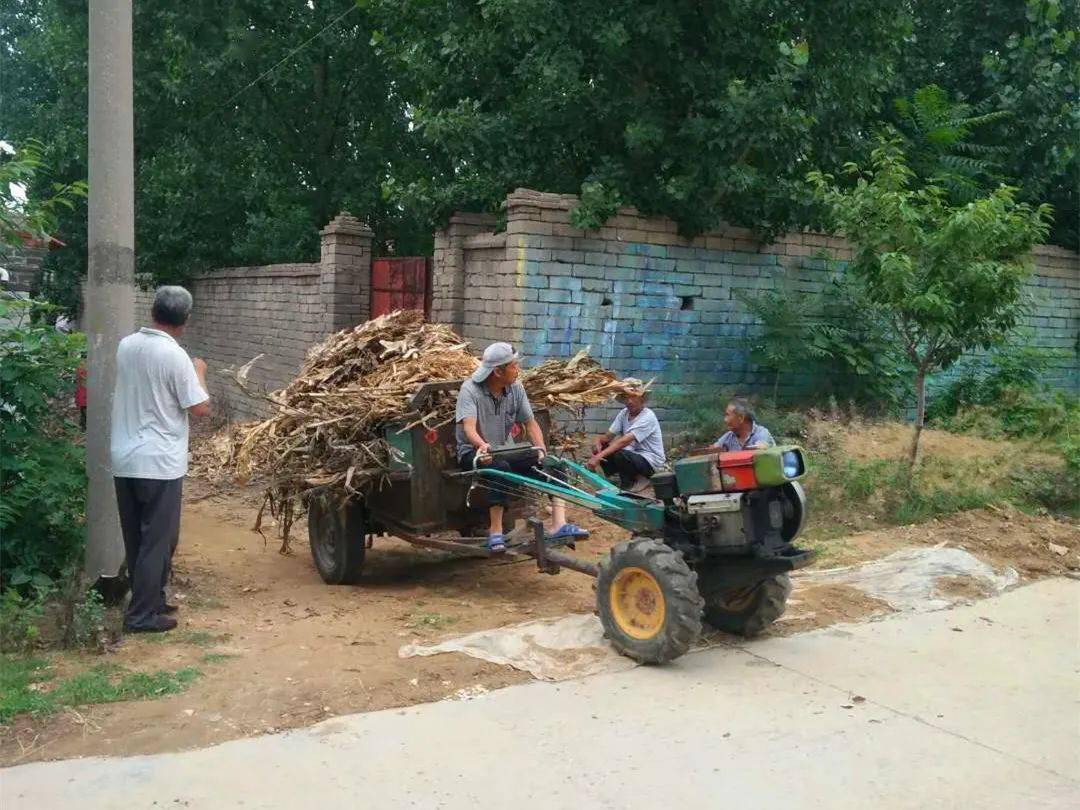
x=606, y=302
x=687, y=302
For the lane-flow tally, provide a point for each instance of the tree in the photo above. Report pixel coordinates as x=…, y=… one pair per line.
x=938, y=141
x=1021, y=59
x=25, y=218
x=948, y=278
x=42, y=470
x=255, y=122
x=704, y=111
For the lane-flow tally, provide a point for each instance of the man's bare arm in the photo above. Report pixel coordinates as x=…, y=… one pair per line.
x=202, y=409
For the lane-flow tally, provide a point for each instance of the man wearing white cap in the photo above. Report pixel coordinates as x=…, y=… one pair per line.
x=489, y=404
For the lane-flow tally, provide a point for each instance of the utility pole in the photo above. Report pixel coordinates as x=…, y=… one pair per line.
x=110, y=290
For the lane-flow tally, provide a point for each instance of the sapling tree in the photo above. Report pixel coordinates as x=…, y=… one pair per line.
x=947, y=278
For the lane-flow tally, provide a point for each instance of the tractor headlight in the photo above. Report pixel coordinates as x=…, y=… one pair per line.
x=793, y=464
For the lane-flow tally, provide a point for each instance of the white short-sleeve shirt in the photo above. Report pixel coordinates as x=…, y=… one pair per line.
x=648, y=439
x=155, y=385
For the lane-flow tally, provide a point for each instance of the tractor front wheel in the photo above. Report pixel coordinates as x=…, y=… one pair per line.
x=748, y=610
x=648, y=601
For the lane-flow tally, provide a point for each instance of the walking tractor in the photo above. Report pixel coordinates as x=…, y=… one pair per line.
x=716, y=543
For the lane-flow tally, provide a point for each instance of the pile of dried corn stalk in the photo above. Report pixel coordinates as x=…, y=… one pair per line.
x=325, y=433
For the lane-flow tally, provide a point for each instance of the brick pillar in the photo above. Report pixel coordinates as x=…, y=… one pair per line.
x=345, y=279
x=448, y=267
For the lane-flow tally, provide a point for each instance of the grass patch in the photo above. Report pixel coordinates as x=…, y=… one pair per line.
x=20, y=682
x=847, y=494
x=194, y=638
x=27, y=686
x=422, y=620
x=216, y=657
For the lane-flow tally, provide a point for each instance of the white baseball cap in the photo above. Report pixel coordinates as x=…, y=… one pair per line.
x=495, y=355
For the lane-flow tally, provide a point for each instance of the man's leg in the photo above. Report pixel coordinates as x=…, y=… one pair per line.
x=498, y=495
x=159, y=523
x=130, y=521
x=628, y=465
x=558, y=507
x=175, y=541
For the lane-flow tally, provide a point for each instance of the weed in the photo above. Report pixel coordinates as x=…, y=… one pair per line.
x=216, y=657
x=19, y=619
x=429, y=621
x=22, y=691
x=195, y=638
x=20, y=680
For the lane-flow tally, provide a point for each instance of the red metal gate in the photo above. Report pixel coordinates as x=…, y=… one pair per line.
x=400, y=283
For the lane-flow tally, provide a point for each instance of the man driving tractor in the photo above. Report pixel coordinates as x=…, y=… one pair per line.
x=633, y=447
x=744, y=433
x=489, y=405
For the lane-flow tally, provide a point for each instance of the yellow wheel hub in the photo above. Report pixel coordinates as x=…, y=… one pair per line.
x=637, y=603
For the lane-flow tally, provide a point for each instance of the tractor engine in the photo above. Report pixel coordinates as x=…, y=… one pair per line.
x=732, y=503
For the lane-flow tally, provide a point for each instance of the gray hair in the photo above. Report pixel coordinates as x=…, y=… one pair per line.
x=172, y=306
x=742, y=408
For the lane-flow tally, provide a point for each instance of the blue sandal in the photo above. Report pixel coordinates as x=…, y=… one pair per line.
x=568, y=531
x=496, y=543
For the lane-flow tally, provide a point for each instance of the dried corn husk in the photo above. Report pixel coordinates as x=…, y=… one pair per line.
x=325, y=434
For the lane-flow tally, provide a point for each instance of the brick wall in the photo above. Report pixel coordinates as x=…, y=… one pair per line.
x=653, y=304
x=24, y=267
x=278, y=311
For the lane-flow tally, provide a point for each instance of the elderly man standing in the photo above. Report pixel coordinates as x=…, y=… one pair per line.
x=633, y=447
x=744, y=433
x=157, y=387
x=489, y=404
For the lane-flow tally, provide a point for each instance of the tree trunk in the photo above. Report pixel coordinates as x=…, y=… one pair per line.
x=920, y=415
x=776, y=389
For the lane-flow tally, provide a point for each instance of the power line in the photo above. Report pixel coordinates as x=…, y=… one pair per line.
x=353, y=6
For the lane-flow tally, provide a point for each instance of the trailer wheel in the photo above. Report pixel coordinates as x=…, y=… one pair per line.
x=336, y=536
x=747, y=610
x=648, y=601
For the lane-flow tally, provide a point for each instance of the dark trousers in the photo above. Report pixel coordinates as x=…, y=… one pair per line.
x=150, y=521
x=498, y=494
x=628, y=465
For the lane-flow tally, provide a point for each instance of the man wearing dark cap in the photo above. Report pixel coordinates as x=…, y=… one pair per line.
x=489, y=404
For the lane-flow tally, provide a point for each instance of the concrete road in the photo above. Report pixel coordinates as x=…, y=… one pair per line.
x=971, y=708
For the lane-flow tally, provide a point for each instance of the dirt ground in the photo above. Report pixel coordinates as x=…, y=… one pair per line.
x=279, y=649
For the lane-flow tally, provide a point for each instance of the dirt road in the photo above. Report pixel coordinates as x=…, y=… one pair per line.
x=278, y=649
x=971, y=707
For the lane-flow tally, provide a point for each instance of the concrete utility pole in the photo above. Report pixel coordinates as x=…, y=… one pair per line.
x=110, y=289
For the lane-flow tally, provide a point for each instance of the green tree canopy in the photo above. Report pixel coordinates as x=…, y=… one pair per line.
x=700, y=110
x=255, y=122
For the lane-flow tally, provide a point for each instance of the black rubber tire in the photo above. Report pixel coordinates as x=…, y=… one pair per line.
x=336, y=534
x=682, y=602
x=745, y=611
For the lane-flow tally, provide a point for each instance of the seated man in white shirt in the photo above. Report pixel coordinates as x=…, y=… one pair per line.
x=744, y=433
x=633, y=447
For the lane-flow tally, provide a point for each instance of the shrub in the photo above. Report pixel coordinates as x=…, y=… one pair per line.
x=701, y=414
x=830, y=344
x=42, y=464
x=20, y=619
x=1003, y=397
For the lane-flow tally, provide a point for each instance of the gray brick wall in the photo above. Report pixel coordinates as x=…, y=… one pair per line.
x=24, y=267
x=653, y=304
x=277, y=310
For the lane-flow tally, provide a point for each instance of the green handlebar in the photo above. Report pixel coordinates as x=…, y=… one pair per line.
x=607, y=501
